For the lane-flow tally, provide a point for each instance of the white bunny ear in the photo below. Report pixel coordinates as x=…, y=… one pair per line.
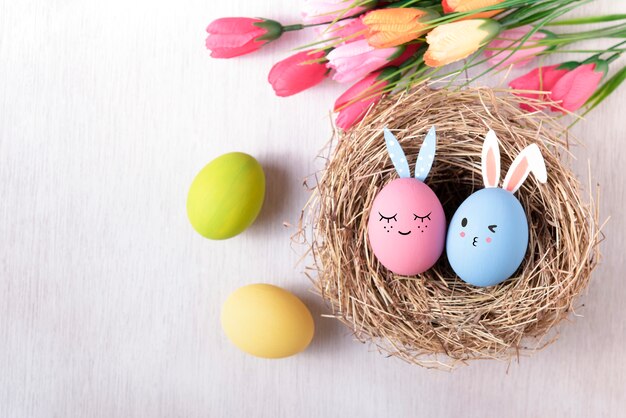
x=491, y=160
x=396, y=154
x=426, y=155
x=530, y=159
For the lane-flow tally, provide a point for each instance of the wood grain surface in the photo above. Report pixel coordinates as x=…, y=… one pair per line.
x=109, y=301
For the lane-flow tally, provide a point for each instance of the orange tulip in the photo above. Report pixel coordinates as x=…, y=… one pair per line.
x=396, y=26
x=457, y=40
x=451, y=6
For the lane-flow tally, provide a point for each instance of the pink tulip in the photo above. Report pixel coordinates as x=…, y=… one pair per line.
x=573, y=89
x=356, y=101
x=346, y=31
x=298, y=72
x=355, y=60
x=233, y=36
x=499, y=50
x=540, y=79
x=324, y=11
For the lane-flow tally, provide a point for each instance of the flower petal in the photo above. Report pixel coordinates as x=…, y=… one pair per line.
x=574, y=88
x=297, y=73
x=454, y=41
x=229, y=25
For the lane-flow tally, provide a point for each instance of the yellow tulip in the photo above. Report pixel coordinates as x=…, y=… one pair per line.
x=457, y=40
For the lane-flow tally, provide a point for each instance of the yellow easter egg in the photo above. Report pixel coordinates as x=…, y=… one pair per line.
x=226, y=196
x=267, y=321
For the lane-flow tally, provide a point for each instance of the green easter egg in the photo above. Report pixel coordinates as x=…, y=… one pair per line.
x=226, y=196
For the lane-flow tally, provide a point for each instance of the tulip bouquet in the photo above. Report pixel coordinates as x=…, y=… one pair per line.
x=380, y=47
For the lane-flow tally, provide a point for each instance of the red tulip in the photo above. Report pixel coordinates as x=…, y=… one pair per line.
x=540, y=79
x=569, y=84
x=233, y=36
x=298, y=72
x=573, y=89
x=355, y=102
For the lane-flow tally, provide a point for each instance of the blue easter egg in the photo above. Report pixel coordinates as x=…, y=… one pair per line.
x=487, y=237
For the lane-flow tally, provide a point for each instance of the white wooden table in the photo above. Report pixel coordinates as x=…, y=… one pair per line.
x=109, y=302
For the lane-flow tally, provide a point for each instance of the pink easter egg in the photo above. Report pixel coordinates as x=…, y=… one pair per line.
x=407, y=227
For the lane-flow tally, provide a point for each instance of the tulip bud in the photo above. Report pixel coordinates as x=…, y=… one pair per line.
x=454, y=41
x=569, y=84
x=234, y=36
x=396, y=26
x=355, y=60
x=452, y=6
x=298, y=72
x=356, y=101
x=575, y=87
x=273, y=29
x=541, y=79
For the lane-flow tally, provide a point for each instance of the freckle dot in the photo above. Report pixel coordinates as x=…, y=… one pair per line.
x=488, y=240
x=462, y=234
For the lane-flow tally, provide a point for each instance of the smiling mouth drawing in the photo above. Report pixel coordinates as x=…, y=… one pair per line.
x=474, y=242
x=404, y=233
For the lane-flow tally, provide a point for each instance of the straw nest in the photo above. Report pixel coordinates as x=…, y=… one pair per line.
x=435, y=319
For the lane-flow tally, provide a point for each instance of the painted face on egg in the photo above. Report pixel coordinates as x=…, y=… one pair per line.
x=487, y=237
x=406, y=226
x=488, y=234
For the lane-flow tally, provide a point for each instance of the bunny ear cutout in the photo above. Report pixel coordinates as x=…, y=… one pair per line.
x=530, y=159
x=396, y=154
x=426, y=155
x=491, y=160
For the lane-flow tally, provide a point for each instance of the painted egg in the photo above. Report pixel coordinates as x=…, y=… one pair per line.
x=407, y=227
x=487, y=237
x=226, y=196
x=267, y=321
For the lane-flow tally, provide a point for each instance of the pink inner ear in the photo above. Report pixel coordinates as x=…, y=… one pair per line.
x=518, y=174
x=491, y=168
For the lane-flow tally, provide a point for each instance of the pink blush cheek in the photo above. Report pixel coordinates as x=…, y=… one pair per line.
x=488, y=240
x=462, y=234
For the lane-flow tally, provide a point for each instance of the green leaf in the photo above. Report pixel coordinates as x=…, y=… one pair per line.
x=589, y=19
x=605, y=90
x=273, y=30
x=537, y=11
x=569, y=65
x=399, y=51
x=507, y=5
